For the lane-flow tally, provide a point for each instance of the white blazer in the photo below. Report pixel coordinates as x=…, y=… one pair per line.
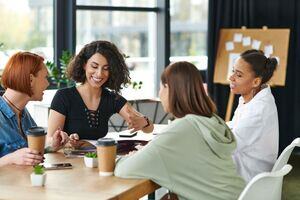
x=255, y=126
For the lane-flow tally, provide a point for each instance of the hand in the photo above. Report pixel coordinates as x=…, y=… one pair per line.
x=74, y=140
x=26, y=156
x=59, y=139
x=136, y=120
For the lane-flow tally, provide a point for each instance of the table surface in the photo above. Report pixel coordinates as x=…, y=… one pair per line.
x=77, y=183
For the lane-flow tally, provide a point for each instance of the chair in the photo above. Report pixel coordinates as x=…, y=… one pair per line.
x=266, y=185
x=285, y=155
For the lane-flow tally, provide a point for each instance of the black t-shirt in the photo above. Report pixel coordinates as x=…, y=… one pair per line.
x=86, y=123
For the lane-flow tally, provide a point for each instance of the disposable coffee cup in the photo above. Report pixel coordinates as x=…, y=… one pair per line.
x=36, y=137
x=106, y=152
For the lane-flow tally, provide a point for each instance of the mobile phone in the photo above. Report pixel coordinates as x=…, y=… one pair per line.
x=127, y=134
x=58, y=166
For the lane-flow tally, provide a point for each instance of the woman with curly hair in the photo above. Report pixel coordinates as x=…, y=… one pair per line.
x=84, y=110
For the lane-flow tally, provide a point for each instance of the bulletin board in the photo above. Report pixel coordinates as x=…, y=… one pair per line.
x=232, y=42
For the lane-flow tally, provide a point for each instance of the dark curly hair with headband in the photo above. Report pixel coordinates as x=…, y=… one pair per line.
x=118, y=70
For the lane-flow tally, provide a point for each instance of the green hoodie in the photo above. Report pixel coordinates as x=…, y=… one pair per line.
x=191, y=157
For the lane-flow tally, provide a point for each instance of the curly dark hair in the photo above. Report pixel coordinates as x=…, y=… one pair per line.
x=118, y=70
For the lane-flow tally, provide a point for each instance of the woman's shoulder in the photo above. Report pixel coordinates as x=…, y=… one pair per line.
x=111, y=94
x=66, y=91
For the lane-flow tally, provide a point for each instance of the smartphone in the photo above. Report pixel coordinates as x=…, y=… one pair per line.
x=58, y=166
x=127, y=134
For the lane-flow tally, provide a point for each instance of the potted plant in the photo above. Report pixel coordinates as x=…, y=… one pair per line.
x=136, y=85
x=91, y=160
x=57, y=75
x=38, y=176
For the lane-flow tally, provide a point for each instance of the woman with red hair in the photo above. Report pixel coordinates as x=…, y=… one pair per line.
x=24, y=79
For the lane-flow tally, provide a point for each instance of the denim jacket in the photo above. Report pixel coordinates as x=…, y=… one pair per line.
x=10, y=135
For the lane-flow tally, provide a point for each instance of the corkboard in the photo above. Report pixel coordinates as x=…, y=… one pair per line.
x=278, y=38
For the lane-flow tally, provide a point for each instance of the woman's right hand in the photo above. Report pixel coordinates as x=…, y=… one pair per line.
x=25, y=156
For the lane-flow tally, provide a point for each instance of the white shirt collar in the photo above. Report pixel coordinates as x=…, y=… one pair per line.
x=260, y=95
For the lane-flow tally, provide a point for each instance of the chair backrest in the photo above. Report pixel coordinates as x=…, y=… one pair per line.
x=266, y=185
x=285, y=155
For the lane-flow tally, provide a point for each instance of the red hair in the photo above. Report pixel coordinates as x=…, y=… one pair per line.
x=16, y=74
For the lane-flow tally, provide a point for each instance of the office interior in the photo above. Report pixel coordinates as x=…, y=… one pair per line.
x=154, y=33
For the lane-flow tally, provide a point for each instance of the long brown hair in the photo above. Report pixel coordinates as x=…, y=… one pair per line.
x=186, y=91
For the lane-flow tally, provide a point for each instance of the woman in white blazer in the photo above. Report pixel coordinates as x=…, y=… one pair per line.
x=255, y=121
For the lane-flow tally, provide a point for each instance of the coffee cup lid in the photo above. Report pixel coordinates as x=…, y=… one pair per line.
x=106, y=142
x=36, y=131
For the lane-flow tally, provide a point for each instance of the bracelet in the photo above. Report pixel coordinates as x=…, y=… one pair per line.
x=147, y=120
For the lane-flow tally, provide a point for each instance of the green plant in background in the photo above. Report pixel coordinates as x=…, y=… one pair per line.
x=58, y=76
x=136, y=85
x=1, y=45
x=38, y=169
x=91, y=155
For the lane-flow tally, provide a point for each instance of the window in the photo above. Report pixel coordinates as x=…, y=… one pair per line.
x=131, y=31
x=26, y=25
x=137, y=3
x=189, y=20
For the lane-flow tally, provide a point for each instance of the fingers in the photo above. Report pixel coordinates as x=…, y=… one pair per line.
x=74, y=136
x=136, y=123
x=30, y=157
x=33, y=159
x=64, y=138
x=74, y=140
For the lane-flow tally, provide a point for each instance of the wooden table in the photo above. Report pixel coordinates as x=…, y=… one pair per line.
x=77, y=183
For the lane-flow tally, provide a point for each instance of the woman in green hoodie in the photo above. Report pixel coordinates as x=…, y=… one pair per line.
x=192, y=156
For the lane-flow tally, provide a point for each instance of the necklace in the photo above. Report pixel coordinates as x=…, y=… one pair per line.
x=12, y=103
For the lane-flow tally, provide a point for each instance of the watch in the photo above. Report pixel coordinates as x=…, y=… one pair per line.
x=147, y=120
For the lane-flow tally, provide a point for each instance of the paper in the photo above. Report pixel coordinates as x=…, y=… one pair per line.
x=237, y=37
x=268, y=49
x=246, y=41
x=256, y=44
x=229, y=46
x=232, y=58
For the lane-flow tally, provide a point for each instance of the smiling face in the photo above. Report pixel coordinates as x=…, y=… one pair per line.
x=96, y=70
x=39, y=84
x=243, y=80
